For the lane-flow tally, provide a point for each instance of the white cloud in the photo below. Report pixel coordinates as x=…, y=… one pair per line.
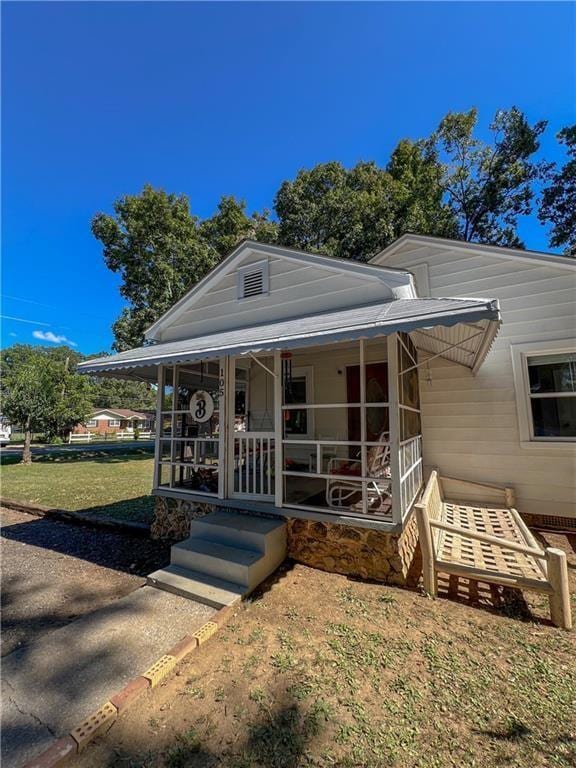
x=52, y=337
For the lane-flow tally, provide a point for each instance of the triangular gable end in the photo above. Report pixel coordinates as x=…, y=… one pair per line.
x=258, y=282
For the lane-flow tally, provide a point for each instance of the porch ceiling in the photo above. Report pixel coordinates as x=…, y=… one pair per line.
x=460, y=330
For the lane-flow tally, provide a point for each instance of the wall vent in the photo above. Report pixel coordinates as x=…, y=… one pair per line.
x=253, y=280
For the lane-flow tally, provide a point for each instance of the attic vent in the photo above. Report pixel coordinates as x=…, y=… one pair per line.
x=253, y=280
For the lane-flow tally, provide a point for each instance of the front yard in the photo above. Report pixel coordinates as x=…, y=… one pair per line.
x=108, y=483
x=323, y=671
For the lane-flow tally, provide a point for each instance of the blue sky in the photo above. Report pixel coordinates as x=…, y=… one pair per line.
x=215, y=98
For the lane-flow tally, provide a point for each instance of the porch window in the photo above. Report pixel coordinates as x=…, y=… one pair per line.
x=545, y=378
x=189, y=430
x=337, y=453
x=298, y=389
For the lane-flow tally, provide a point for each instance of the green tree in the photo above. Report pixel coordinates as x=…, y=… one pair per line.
x=154, y=243
x=489, y=185
x=231, y=224
x=558, y=204
x=336, y=211
x=353, y=213
x=118, y=393
x=42, y=391
x=418, y=193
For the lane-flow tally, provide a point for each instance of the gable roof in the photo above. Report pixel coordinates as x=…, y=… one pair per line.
x=390, y=275
x=550, y=259
x=123, y=413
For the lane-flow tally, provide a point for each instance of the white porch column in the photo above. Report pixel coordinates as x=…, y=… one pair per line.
x=223, y=436
x=278, y=430
x=394, y=416
x=159, y=425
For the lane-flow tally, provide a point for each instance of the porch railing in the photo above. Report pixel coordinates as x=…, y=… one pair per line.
x=254, y=464
x=411, y=476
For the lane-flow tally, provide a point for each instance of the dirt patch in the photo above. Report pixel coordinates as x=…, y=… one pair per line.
x=319, y=670
x=54, y=572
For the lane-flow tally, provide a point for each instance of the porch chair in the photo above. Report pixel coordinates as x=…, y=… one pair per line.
x=340, y=494
x=488, y=543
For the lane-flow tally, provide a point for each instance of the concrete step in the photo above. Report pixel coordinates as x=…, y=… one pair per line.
x=239, y=566
x=259, y=534
x=196, y=586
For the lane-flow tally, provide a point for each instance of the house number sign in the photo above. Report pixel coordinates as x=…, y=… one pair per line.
x=201, y=406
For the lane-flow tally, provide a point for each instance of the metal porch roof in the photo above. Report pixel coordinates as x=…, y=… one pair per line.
x=458, y=329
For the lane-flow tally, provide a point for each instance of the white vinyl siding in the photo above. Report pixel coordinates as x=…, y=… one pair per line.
x=295, y=288
x=470, y=423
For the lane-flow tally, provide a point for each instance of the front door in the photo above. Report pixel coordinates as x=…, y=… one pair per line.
x=251, y=430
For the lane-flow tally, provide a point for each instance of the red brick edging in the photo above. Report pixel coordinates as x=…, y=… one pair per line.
x=63, y=750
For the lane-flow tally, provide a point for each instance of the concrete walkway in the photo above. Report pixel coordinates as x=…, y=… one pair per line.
x=49, y=686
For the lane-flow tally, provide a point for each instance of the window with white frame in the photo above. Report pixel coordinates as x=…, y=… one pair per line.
x=114, y=423
x=545, y=380
x=91, y=423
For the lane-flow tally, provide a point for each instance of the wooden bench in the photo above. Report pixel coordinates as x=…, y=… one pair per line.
x=488, y=543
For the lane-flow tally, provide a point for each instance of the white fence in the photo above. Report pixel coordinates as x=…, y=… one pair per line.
x=95, y=437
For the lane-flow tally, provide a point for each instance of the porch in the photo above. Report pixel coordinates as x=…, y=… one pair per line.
x=329, y=432
x=313, y=417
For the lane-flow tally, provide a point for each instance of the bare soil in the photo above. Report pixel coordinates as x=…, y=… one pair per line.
x=320, y=670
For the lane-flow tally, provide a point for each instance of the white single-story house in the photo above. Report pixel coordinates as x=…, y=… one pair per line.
x=321, y=392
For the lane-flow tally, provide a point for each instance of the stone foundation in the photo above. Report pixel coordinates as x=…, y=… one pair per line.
x=172, y=517
x=361, y=552
x=393, y=558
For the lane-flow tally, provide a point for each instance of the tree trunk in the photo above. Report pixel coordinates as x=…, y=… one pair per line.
x=27, y=453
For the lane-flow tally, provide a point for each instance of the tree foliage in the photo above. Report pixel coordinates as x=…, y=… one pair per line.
x=418, y=192
x=106, y=392
x=489, y=185
x=231, y=224
x=42, y=391
x=353, y=213
x=154, y=243
x=558, y=205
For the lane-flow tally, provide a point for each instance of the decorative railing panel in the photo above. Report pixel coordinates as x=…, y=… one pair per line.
x=254, y=463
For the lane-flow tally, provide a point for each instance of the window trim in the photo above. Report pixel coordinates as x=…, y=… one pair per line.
x=261, y=266
x=114, y=422
x=520, y=354
x=91, y=423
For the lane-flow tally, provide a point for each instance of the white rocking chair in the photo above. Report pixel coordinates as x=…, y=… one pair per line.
x=343, y=494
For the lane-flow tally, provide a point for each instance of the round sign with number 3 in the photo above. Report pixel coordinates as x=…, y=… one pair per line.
x=201, y=406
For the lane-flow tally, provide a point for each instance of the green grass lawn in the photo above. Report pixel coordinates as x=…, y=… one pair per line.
x=103, y=483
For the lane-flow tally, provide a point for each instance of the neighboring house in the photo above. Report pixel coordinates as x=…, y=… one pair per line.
x=321, y=391
x=110, y=420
